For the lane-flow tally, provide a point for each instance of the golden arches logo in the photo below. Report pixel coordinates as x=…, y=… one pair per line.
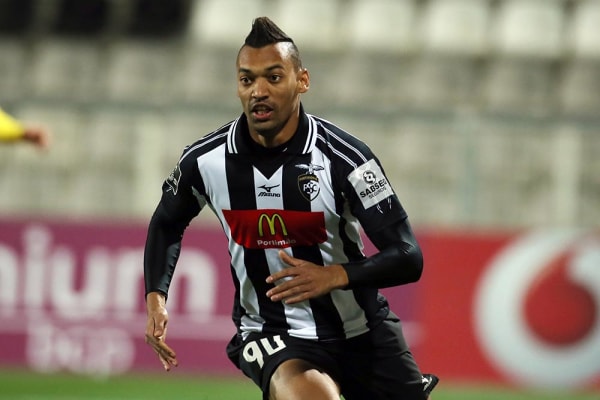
x=271, y=223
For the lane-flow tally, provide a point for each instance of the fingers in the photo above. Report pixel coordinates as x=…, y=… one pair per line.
x=155, y=337
x=291, y=261
x=292, y=291
x=304, y=280
x=286, y=258
x=166, y=355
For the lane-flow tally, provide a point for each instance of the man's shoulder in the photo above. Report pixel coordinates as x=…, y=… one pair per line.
x=208, y=142
x=339, y=138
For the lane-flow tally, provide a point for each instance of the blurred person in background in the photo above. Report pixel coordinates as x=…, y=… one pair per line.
x=291, y=191
x=12, y=130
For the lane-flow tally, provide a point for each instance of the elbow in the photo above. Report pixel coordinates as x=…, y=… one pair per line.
x=415, y=261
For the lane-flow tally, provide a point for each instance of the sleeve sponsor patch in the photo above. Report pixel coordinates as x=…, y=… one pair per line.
x=173, y=179
x=370, y=184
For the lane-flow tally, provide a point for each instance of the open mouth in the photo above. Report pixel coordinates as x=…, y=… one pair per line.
x=262, y=112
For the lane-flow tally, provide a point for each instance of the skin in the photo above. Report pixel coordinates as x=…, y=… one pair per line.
x=37, y=135
x=269, y=88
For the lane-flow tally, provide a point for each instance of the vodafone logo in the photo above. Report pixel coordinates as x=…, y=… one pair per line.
x=537, y=309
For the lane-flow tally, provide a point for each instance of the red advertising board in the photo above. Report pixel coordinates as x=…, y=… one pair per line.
x=520, y=308
x=514, y=308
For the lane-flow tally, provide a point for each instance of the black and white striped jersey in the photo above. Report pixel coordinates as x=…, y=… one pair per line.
x=309, y=197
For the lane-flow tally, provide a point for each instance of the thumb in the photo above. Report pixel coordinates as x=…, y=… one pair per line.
x=159, y=328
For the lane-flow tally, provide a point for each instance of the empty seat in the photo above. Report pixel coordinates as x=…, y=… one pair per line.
x=313, y=24
x=521, y=86
x=66, y=68
x=382, y=25
x=530, y=28
x=580, y=89
x=142, y=71
x=224, y=23
x=584, y=38
x=456, y=26
x=14, y=69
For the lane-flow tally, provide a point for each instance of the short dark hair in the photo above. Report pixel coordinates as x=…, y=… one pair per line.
x=265, y=32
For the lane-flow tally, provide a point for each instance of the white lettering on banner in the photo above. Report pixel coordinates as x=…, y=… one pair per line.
x=8, y=279
x=49, y=285
x=502, y=329
x=79, y=349
x=89, y=300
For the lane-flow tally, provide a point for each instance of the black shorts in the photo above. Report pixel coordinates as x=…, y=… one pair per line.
x=374, y=366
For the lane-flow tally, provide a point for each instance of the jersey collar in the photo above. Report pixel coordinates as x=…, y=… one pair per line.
x=302, y=142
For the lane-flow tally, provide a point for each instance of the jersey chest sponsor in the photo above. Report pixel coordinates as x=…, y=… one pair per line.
x=274, y=228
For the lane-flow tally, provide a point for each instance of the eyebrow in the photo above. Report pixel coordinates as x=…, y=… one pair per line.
x=268, y=69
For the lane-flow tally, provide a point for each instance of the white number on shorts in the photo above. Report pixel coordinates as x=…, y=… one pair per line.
x=253, y=352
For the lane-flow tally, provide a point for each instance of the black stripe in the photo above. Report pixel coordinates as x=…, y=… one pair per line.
x=351, y=248
x=240, y=183
x=327, y=319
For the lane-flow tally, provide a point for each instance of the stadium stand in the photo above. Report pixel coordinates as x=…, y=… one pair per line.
x=472, y=104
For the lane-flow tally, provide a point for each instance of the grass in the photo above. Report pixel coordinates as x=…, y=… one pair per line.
x=20, y=385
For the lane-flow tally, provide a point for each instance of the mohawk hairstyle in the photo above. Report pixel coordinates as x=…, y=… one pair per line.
x=265, y=32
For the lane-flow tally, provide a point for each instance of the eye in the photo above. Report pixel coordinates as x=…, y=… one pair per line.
x=275, y=78
x=244, y=80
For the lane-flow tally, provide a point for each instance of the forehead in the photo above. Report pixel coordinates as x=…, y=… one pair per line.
x=265, y=57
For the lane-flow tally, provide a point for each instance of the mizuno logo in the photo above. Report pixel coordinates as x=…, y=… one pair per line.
x=267, y=188
x=267, y=191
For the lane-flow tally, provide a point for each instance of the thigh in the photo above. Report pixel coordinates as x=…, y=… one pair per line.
x=297, y=379
x=260, y=355
x=380, y=366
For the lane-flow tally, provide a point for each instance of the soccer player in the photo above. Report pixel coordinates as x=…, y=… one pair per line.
x=12, y=130
x=291, y=191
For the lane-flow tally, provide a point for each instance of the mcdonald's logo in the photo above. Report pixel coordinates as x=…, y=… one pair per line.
x=271, y=224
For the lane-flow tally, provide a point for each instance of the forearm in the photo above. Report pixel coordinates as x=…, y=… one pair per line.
x=10, y=129
x=394, y=265
x=163, y=245
x=399, y=260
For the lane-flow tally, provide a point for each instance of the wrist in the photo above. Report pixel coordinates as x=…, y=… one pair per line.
x=155, y=300
x=340, y=280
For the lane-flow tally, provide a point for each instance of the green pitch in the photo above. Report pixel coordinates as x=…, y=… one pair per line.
x=15, y=385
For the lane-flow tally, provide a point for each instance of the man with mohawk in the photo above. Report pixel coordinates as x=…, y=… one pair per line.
x=291, y=191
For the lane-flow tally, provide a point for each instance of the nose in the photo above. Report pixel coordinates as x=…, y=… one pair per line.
x=259, y=91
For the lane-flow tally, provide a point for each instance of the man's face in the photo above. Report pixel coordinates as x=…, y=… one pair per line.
x=269, y=87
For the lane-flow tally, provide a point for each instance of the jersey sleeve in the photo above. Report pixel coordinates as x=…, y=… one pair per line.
x=181, y=201
x=370, y=194
x=10, y=128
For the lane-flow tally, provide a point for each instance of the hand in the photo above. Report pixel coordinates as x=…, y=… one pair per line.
x=37, y=135
x=308, y=280
x=156, y=330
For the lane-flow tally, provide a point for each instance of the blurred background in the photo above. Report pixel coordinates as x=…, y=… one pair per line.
x=485, y=114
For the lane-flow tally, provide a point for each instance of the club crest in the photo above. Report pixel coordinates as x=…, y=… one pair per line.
x=308, y=183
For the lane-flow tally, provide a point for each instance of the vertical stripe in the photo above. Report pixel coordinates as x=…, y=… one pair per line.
x=241, y=185
x=327, y=320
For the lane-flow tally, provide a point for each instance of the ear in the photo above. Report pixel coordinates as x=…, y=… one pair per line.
x=303, y=80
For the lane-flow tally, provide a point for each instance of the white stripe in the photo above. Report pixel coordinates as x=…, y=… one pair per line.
x=339, y=153
x=311, y=138
x=354, y=149
x=231, y=138
x=202, y=144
